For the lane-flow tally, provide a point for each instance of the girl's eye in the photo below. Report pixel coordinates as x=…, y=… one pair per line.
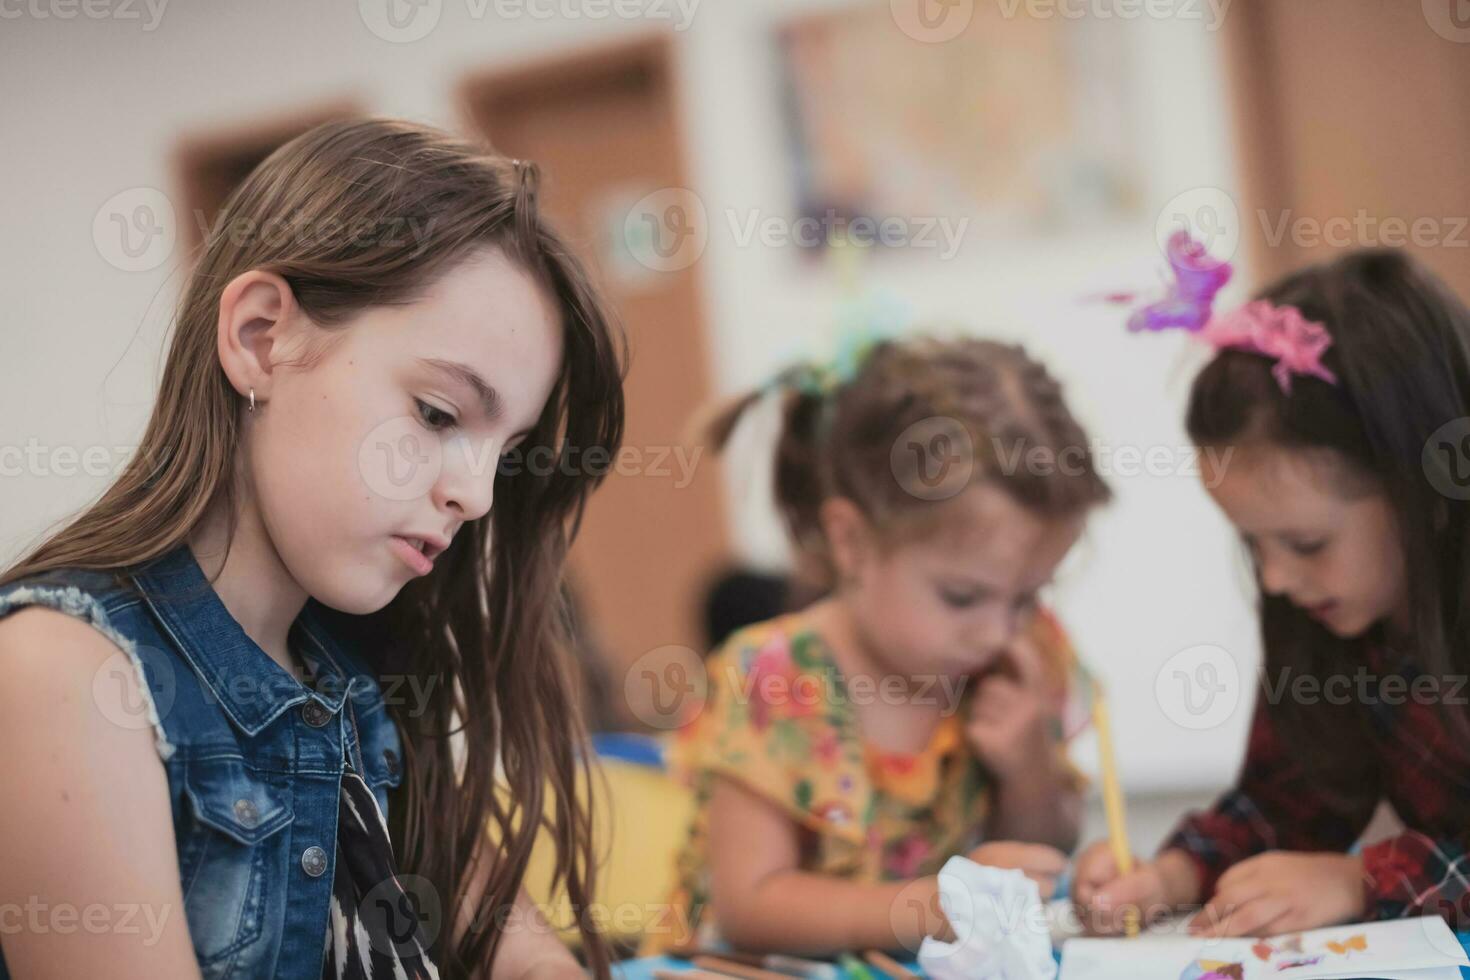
x=1308, y=548
x=960, y=600
x=435, y=418
x=1025, y=603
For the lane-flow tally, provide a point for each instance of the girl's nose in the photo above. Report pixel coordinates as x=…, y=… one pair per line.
x=470, y=505
x=466, y=484
x=1275, y=577
x=996, y=629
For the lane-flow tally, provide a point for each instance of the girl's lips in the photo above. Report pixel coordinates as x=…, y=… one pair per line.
x=1322, y=609
x=412, y=557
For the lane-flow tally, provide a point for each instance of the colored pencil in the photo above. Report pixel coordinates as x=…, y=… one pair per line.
x=1113, y=799
x=794, y=965
x=721, y=965
x=889, y=965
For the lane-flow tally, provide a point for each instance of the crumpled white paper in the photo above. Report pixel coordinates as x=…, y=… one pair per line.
x=999, y=922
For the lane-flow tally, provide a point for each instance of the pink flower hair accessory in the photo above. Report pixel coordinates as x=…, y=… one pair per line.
x=1280, y=332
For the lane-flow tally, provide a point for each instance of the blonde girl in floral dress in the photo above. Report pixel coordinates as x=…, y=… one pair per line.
x=921, y=708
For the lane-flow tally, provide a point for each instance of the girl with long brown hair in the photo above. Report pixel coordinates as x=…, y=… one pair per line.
x=292, y=698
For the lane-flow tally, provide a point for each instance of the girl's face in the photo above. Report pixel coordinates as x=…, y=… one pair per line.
x=952, y=600
x=1319, y=536
x=396, y=432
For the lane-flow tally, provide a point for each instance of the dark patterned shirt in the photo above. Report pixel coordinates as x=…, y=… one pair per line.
x=1414, y=762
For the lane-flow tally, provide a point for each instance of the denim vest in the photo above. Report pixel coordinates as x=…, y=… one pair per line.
x=254, y=758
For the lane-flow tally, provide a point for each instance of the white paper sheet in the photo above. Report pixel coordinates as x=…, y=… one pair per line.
x=1411, y=949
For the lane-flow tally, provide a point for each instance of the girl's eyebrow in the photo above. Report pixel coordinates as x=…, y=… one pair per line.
x=963, y=580
x=462, y=374
x=458, y=373
x=1296, y=537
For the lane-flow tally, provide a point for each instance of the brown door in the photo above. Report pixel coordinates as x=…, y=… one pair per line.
x=602, y=126
x=209, y=166
x=1354, y=133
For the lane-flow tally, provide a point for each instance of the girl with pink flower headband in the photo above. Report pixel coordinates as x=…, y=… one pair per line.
x=1344, y=392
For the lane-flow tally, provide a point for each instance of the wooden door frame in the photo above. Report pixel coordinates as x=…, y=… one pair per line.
x=200, y=152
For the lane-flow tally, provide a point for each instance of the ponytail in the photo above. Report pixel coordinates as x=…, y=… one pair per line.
x=806, y=395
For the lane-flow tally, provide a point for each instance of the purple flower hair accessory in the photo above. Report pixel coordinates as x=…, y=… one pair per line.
x=1197, y=278
x=1281, y=333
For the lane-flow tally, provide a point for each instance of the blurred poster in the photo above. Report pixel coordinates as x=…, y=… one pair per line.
x=1019, y=123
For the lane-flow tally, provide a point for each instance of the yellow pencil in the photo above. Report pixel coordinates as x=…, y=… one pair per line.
x=1113, y=799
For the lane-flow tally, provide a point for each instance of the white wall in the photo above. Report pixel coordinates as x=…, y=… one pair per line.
x=93, y=107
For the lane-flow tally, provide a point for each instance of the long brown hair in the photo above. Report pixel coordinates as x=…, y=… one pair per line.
x=488, y=621
x=1401, y=353
x=838, y=435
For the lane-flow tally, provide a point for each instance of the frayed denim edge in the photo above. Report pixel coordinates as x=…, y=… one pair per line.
x=74, y=602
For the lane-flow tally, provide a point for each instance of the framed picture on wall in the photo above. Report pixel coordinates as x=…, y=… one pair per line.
x=1019, y=124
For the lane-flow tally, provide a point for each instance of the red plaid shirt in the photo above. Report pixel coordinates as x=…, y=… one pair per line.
x=1414, y=764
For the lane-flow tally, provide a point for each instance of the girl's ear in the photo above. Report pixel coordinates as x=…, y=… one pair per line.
x=257, y=314
x=850, y=537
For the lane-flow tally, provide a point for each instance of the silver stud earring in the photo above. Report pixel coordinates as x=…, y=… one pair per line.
x=252, y=399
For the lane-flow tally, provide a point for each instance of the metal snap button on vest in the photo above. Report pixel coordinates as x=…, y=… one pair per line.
x=390, y=759
x=314, y=861
x=315, y=715
x=246, y=813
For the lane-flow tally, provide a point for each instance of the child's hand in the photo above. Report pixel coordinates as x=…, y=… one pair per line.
x=1101, y=894
x=1038, y=862
x=1284, y=892
x=1010, y=715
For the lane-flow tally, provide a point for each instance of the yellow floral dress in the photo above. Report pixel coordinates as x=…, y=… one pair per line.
x=779, y=718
